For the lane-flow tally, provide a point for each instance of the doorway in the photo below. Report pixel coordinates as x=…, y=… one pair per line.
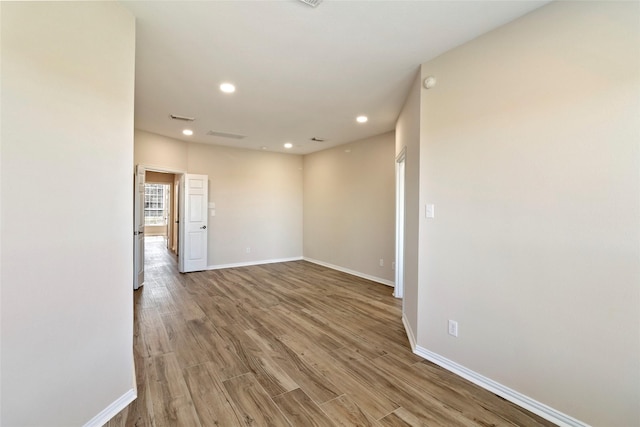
x=161, y=206
x=158, y=215
x=156, y=218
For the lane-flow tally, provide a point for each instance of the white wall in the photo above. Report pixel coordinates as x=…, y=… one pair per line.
x=530, y=153
x=67, y=112
x=160, y=151
x=258, y=199
x=348, y=201
x=349, y=207
x=257, y=194
x=408, y=139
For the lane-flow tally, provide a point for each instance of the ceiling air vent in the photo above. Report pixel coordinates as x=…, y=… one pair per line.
x=183, y=118
x=225, y=135
x=312, y=3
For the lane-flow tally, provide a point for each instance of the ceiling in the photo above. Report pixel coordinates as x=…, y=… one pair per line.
x=300, y=72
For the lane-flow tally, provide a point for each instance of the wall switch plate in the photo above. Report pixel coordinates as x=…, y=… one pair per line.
x=429, y=211
x=453, y=328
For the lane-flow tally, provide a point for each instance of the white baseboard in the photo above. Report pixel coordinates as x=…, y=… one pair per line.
x=505, y=392
x=250, y=263
x=352, y=272
x=112, y=410
x=410, y=334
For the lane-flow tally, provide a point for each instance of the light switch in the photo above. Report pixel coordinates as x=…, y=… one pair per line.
x=212, y=205
x=429, y=211
x=213, y=212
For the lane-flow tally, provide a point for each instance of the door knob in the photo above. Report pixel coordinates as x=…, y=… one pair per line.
x=203, y=227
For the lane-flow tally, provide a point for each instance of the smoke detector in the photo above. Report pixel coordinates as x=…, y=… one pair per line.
x=312, y=3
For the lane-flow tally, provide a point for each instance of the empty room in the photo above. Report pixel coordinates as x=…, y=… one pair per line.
x=329, y=213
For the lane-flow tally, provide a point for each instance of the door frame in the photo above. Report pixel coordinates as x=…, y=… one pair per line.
x=178, y=173
x=138, y=226
x=401, y=164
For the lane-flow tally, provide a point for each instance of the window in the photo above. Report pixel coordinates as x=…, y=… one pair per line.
x=155, y=205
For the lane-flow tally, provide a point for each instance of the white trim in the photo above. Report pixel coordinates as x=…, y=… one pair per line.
x=250, y=263
x=162, y=169
x=133, y=374
x=352, y=272
x=400, y=171
x=503, y=391
x=112, y=410
x=409, y=331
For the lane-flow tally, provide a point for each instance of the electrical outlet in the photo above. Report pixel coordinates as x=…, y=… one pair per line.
x=381, y=262
x=248, y=250
x=453, y=328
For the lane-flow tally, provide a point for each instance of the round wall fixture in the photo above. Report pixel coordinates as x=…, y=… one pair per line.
x=429, y=82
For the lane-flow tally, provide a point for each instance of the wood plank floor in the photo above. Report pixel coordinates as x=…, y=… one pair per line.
x=290, y=344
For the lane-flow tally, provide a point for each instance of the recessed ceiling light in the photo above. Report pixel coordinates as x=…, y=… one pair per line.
x=288, y=145
x=187, y=132
x=362, y=119
x=227, y=88
x=263, y=147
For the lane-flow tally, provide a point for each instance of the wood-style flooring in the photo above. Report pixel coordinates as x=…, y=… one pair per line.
x=289, y=344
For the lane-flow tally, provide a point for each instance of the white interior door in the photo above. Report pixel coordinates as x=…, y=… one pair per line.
x=138, y=228
x=194, y=199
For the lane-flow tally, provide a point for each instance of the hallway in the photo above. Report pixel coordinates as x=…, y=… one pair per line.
x=158, y=260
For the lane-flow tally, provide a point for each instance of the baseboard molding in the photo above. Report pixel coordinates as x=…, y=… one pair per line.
x=352, y=272
x=505, y=392
x=112, y=410
x=410, y=334
x=250, y=263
